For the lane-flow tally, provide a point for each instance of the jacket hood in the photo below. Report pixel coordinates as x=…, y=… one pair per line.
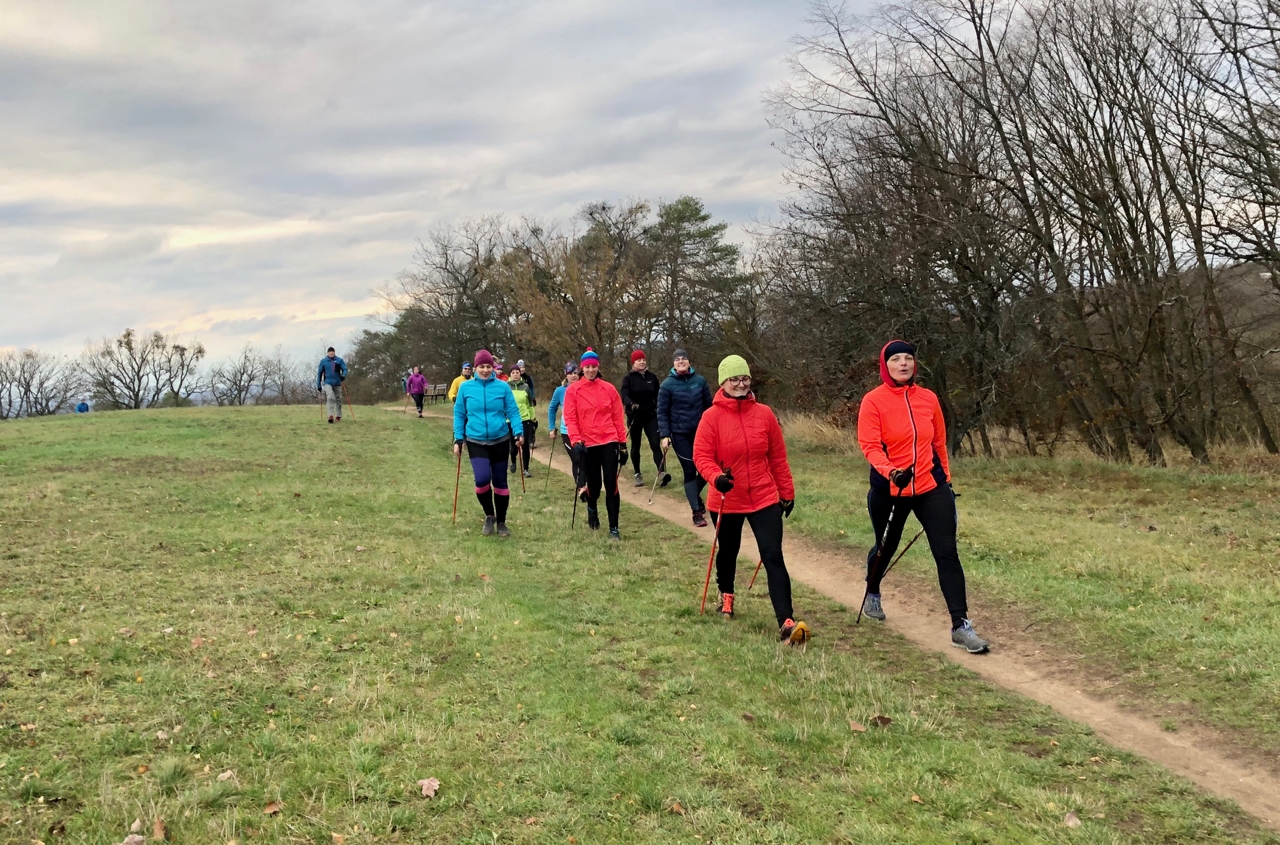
x=884, y=368
x=727, y=402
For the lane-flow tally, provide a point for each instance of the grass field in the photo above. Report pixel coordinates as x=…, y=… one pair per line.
x=1164, y=582
x=191, y=593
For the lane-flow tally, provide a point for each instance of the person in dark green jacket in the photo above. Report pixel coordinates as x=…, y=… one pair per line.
x=683, y=396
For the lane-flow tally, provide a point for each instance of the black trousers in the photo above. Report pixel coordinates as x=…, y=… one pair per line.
x=936, y=511
x=766, y=524
x=417, y=400
x=578, y=479
x=682, y=445
x=600, y=469
x=649, y=426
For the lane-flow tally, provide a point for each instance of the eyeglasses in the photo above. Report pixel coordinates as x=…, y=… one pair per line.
x=739, y=380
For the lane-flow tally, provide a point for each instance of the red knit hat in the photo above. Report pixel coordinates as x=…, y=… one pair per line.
x=638, y=355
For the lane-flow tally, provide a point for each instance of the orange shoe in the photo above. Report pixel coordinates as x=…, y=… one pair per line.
x=793, y=632
x=726, y=605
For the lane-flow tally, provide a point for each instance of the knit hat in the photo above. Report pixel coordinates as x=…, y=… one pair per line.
x=894, y=347
x=680, y=353
x=570, y=367
x=520, y=363
x=638, y=355
x=589, y=357
x=484, y=356
x=466, y=365
x=734, y=365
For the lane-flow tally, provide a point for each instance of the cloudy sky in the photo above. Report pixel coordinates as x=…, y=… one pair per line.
x=250, y=172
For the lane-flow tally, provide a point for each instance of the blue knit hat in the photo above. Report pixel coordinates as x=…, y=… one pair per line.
x=589, y=357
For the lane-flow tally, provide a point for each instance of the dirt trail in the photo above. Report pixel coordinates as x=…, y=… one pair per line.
x=1015, y=663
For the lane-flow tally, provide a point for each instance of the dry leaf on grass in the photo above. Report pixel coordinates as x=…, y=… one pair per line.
x=677, y=808
x=361, y=549
x=916, y=799
x=159, y=832
x=338, y=838
x=126, y=632
x=226, y=776
x=747, y=717
x=881, y=721
x=273, y=808
x=196, y=642
x=532, y=820
x=162, y=734
x=1071, y=819
x=133, y=839
x=857, y=727
x=484, y=577
x=136, y=827
x=429, y=787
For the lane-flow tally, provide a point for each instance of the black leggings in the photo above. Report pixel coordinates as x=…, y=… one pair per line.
x=936, y=511
x=649, y=426
x=682, y=445
x=600, y=468
x=766, y=524
x=417, y=400
x=578, y=480
x=518, y=452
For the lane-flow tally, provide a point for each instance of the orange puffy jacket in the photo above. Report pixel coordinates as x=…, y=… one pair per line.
x=743, y=436
x=901, y=426
x=593, y=412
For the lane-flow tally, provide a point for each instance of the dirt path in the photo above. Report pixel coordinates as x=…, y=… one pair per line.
x=1015, y=663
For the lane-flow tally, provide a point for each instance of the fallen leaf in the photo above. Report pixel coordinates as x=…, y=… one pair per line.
x=162, y=735
x=253, y=632
x=133, y=839
x=143, y=769
x=916, y=799
x=1095, y=759
x=677, y=808
x=338, y=838
x=196, y=642
x=1071, y=819
x=361, y=549
x=747, y=717
x=1054, y=743
x=532, y=820
x=136, y=827
x=58, y=828
x=226, y=776
x=857, y=727
x=273, y=808
x=484, y=577
x=297, y=495
x=159, y=832
x=429, y=787
x=881, y=721
x=458, y=619
x=126, y=632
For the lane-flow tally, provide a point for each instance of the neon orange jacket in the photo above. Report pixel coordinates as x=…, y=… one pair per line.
x=593, y=412
x=901, y=426
x=744, y=436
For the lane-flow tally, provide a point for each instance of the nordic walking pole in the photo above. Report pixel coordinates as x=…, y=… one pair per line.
x=903, y=552
x=658, y=476
x=906, y=476
x=350, y=407
x=520, y=454
x=759, y=563
x=574, y=518
x=457, y=479
x=711, y=559
x=550, y=460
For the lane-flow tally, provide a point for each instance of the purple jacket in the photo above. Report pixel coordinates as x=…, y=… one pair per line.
x=417, y=384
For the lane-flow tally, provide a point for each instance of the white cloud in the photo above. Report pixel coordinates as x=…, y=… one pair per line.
x=250, y=171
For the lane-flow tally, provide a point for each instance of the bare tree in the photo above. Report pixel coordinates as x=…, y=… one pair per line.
x=240, y=380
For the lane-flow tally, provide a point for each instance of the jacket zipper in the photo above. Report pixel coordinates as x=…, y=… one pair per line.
x=906, y=396
x=742, y=425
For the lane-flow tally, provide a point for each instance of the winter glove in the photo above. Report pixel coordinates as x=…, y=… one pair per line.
x=580, y=451
x=634, y=407
x=788, y=505
x=724, y=483
x=622, y=454
x=902, y=477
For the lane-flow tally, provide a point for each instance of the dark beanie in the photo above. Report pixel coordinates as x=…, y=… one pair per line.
x=898, y=347
x=679, y=353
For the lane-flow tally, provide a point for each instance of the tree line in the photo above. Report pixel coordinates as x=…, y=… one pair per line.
x=1072, y=207
x=147, y=370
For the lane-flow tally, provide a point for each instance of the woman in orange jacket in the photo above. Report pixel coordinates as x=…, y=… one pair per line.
x=740, y=450
x=593, y=416
x=904, y=437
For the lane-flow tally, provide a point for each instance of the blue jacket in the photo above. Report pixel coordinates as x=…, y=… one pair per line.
x=681, y=401
x=481, y=411
x=557, y=400
x=331, y=372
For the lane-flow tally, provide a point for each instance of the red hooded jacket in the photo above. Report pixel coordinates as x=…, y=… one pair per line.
x=901, y=426
x=744, y=436
x=593, y=412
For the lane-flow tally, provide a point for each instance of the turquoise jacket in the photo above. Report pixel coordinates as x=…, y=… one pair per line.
x=482, y=409
x=557, y=400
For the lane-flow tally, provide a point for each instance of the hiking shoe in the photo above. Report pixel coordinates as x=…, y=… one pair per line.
x=513, y=469
x=338, y=418
x=593, y=519
x=966, y=638
x=793, y=632
x=528, y=474
x=503, y=531
x=871, y=607
x=614, y=535
x=639, y=480
x=666, y=479
x=726, y=605
x=330, y=419
x=700, y=519
x=488, y=526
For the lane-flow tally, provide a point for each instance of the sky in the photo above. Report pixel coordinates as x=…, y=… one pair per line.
x=247, y=172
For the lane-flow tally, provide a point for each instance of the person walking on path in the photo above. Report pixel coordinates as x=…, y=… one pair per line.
x=480, y=423
x=457, y=382
x=682, y=399
x=597, y=430
x=640, y=401
x=522, y=425
x=903, y=436
x=571, y=375
x=330, y=375
x=527, y=380
x=740, y=450
x=416, y=387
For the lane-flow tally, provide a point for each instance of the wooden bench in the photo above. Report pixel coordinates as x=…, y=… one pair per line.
x=436, y=393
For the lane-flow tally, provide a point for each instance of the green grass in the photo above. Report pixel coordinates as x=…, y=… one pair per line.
x=561, y=689
x=1164, y=582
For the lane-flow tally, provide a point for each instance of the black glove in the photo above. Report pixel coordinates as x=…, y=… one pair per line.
x=458, y=442
x=634, y=407
x=724, y=482
x=532, y=401
x=580, y=450
x=622, y=454
x=902, y=477
x=787, y=505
